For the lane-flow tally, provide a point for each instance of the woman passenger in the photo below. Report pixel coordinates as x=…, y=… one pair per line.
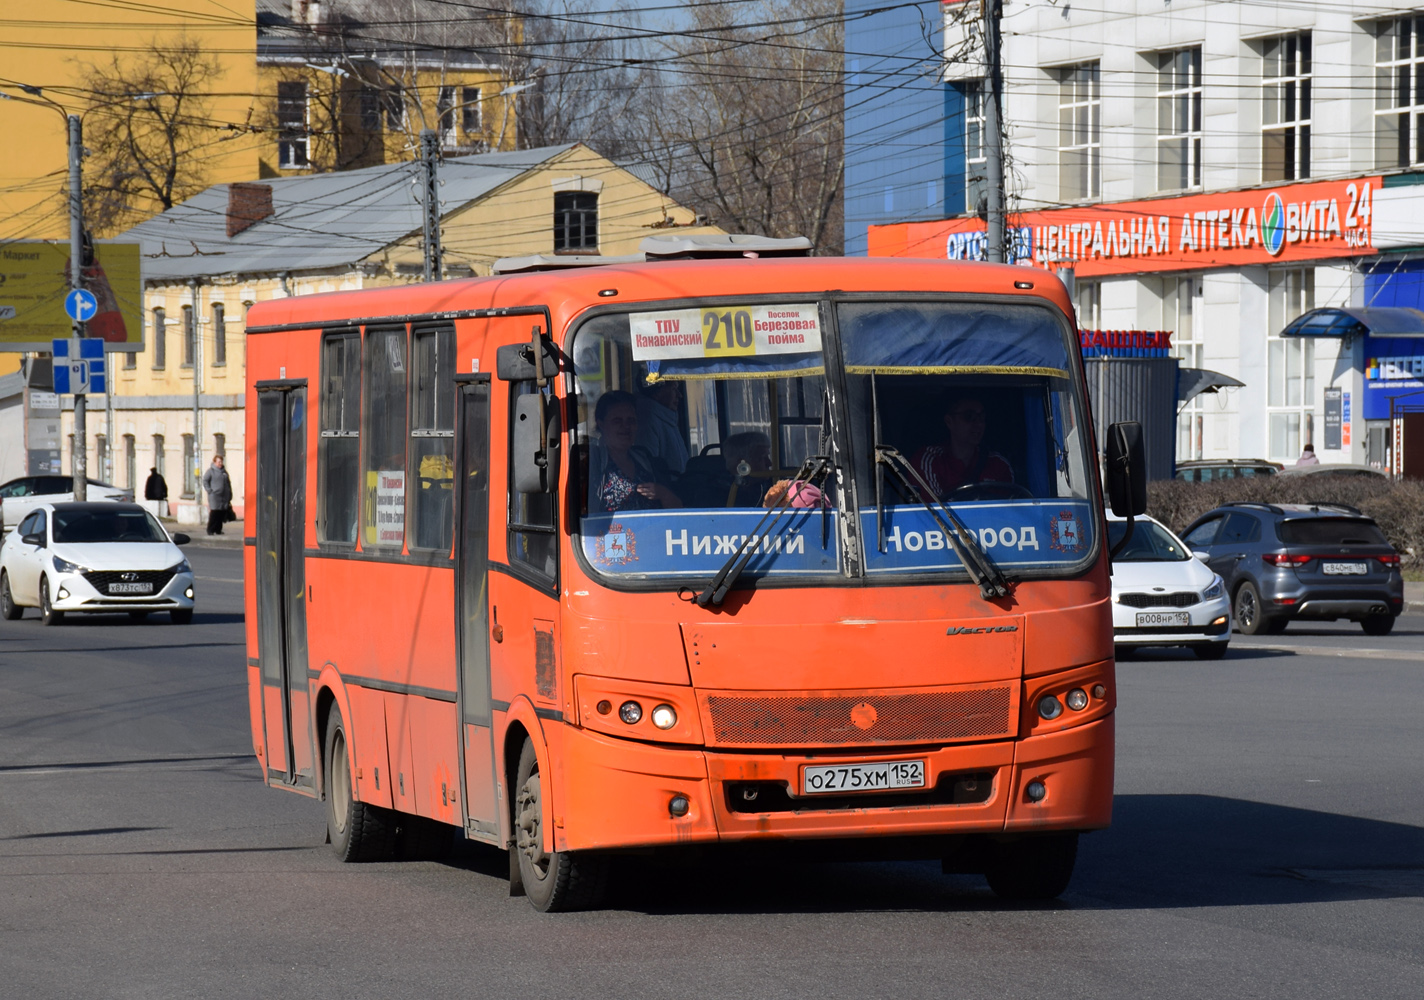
x=626, y=480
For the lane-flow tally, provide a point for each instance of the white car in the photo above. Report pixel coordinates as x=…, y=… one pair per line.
x=94, y=558
x=1162, y=596
x=20, y=496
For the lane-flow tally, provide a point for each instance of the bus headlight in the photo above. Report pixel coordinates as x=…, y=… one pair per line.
x=630, y=712
x=664, y=717
x=1077, y=699
x=1050, y=707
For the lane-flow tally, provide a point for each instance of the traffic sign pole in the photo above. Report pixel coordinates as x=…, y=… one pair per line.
x=76, y=279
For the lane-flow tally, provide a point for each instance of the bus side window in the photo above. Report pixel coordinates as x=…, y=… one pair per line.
x=384, y=413
x=533, y=523
x=339, y=443
x=432, y=431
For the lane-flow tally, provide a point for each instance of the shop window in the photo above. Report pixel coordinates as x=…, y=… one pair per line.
x=1181, y=314
x=1285, y=112
x=1290, y=365
x=1088, y=297
x=575, y=222
x=1179, y=119
x=384, y=433
x=1399, y=92
x=292, y=125
x=339, y=437
x=432, y=431
x=1079, y=139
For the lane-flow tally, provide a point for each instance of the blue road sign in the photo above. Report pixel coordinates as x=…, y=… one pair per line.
x=81, y=305
x=79, y=366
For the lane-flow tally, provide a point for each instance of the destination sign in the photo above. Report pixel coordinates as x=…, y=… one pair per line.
x=726, y=332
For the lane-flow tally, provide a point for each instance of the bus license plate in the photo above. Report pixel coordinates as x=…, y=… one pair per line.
x=1343, y=568
x=130, y=588
x=863, y=777
x=1157, y=619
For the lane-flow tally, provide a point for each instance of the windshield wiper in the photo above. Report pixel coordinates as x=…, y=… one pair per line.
x=726, y=578
x=992, y=583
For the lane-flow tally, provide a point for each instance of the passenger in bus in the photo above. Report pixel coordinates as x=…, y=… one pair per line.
x=660, y=426
x=728, y=479
x=623, y=476
x=963, y=459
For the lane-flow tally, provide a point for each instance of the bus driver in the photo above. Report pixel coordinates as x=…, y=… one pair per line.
x=962, y=460
x=623, y=477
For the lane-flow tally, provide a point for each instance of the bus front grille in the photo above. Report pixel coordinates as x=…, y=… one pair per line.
x=848, y=719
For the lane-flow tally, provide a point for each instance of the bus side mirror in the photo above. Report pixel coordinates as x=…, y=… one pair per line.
x=1127, y=469
x=529, y=461
x=515, y=363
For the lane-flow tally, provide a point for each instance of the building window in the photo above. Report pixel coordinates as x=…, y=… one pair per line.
x=190, y=477
x=339, y=444
x=131, y=464
x=1399, y=93
x=160, y=457
x=1181, y=308
x=292, y=125
x=432, y=431
x=1088, y=297
x=101, y=458
x=220, y=447
x=219, y=334
x=1179, y=119
x=190, y=336
x=1290, y=365
x=131, y=359
x=368, y=104
x=975, y=159
x=1285, y=113
x=471, y=118
x=393, y=102
x=575, y=222
x=1079, y=141
x=384, y=431
x=445, y=116
x=160, y=337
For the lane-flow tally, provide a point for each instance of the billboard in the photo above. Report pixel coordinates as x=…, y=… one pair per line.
x=34, y=279
x=1307, y=221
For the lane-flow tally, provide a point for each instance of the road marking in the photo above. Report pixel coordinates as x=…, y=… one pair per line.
x=216, y=579
x=1344, y=652
x=109, y=765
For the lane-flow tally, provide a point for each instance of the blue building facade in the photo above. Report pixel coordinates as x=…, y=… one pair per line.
x=904, y=127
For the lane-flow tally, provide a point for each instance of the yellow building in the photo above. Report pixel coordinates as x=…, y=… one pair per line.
x=352, y=83
x=207, y=260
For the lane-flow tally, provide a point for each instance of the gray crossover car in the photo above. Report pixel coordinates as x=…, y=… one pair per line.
x=1297, y=562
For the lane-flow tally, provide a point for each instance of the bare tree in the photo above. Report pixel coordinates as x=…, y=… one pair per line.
x=146, y=128
x=746, y=124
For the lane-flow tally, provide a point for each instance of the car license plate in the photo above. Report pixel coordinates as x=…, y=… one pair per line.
x=130, y=588
x=1344, y=568
x=863, y=777
x=1157, y=619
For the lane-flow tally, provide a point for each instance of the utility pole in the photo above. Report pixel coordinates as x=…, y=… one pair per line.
x=80, y=467
x=993, y=129
x=197, y=391
x=429, y=159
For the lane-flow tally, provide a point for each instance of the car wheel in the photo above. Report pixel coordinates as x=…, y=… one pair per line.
x=1209, y=650
x=48, y=615
x=1249, y=612
x=181, y=616
x=9, y=610
x=1373, y=625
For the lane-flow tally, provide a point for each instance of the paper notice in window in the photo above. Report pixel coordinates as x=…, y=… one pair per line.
x=390, y=507
x=722, y=332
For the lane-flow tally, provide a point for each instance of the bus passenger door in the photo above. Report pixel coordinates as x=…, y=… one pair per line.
x=477, y=763
x=281, y=583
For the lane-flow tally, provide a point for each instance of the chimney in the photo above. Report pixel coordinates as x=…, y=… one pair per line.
x=247, y=205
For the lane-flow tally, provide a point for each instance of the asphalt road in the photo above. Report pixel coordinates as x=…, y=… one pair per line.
x=1268, y=841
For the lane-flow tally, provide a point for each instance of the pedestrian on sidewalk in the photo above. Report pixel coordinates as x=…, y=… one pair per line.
x=156, y=489
x=218, y=487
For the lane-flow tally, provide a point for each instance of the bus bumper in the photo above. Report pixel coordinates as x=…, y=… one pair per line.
x=617, y=793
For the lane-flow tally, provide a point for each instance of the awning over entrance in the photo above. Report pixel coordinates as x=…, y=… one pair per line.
x=1192, y=382
x=1391, y=321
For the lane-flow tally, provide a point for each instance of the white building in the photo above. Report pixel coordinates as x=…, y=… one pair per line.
x=1216, y=169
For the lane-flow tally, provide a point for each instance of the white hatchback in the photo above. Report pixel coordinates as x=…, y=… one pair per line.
x=94, y=558
x=1162, y=596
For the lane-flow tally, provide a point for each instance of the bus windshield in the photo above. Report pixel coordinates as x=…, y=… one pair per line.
x=693, y=422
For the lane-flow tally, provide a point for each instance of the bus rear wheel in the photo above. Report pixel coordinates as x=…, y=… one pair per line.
x=357, y=831
x=554, y=881
x=1034, y=868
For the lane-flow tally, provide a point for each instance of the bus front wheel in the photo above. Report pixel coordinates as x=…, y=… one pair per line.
x=1036, y=867
x=554, y=881
x=357, y=831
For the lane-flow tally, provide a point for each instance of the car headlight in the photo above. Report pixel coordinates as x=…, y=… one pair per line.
x=65, y=566
x=1216, y=589
x=183, y=567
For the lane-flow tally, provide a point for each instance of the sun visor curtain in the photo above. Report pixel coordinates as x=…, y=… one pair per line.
x=940, y=338
x=771, y=366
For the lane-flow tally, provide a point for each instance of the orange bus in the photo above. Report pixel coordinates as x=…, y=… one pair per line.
x=583, y=559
